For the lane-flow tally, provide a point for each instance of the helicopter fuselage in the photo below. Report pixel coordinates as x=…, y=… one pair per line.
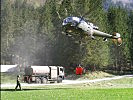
x=75, y=24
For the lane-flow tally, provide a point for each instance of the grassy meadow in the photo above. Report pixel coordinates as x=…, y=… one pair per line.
x=8, y=78
x=68, y=94
x=119, y=89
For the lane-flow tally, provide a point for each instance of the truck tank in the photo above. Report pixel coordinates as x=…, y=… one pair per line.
x=37, y=70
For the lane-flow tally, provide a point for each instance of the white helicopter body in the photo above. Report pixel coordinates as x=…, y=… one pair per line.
x=73, y=24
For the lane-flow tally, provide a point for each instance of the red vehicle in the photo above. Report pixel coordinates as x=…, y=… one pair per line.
x=79, y=70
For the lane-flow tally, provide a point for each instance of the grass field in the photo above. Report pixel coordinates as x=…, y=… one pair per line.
x=120, y=89
x=90, y=75
x=8, y=78
x=68, y=94
x=11, y=77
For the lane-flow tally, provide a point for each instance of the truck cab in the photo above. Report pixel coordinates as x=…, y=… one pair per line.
x=61, y=74
x=56, y=73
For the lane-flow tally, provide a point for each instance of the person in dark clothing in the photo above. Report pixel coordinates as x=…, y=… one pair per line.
x=18, y=83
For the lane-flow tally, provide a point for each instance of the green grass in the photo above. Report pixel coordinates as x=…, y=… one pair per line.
x=68, y=94
x=120, y=89
x=126, y=80
x=8, y=78
x=96, y=75
x=90, y=75
x=117, y=83
x=11, y=77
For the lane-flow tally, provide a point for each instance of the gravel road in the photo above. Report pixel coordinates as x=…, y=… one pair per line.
x=65, y=82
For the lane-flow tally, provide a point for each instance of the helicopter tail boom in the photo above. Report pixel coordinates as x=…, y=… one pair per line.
x=116, y=37
x=102, y=34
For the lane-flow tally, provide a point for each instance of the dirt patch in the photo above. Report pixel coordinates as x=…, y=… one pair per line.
x=89, y=75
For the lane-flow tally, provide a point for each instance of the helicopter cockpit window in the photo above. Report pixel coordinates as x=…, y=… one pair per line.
x=67, y=20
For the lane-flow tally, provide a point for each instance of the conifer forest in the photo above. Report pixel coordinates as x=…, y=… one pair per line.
x=31, y=34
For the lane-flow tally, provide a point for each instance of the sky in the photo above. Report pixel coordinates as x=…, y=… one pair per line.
x=123, y=1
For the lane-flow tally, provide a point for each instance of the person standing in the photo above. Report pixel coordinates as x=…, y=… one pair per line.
x=18, y=83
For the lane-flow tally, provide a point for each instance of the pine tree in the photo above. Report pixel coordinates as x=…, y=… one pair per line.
x=117, y=18
x=130, y=39
x=7, y=30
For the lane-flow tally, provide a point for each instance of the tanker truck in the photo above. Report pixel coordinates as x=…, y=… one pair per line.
x=44, y=74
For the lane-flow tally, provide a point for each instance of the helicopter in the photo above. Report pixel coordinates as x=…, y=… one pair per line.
x=76, y=25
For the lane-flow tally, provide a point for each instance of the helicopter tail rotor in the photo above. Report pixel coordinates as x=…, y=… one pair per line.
x=117, y=39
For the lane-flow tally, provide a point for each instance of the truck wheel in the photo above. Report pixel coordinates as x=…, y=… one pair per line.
x=44, y=80
x=59, y=80
x=38, y=80
x=29, y=81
